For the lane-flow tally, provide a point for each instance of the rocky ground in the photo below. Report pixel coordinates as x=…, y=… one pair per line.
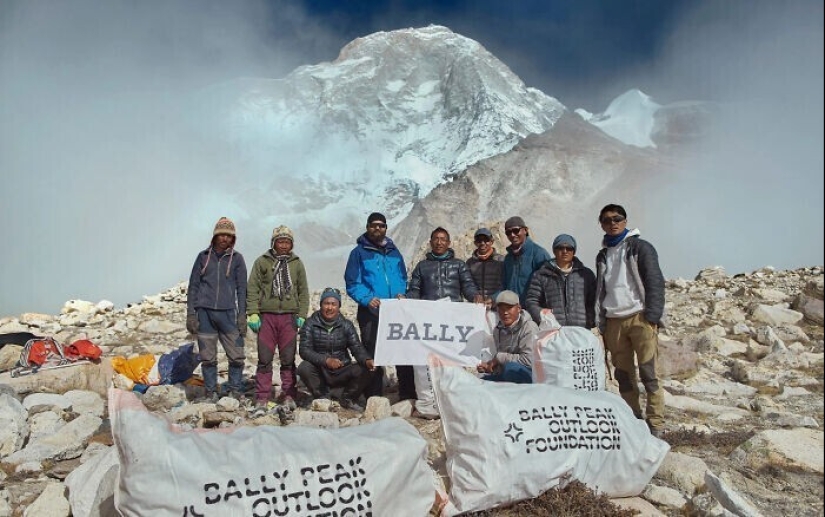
x=742, y=360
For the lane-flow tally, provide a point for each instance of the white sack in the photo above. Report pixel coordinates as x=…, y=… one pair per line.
x=92, y=486
x=373, y=469
x=507, y=442
x=569, y=357
x=425, y=398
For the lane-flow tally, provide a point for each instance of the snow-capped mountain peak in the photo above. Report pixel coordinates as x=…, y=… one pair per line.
x=629, y=118
x=395, y=115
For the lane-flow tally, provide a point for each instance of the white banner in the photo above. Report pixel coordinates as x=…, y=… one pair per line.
x=410, y=330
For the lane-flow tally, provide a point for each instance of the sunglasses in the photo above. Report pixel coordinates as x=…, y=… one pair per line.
x=568, y=249
x=515, y=230
x=334, y=290
x=378, y=226
x=482, y=240
x=614, y=219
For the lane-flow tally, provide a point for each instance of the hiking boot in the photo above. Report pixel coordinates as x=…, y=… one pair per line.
x=260, y=410
x=289, y=404
x=237, y=395
x=657, y=431
x=418, y=414
x=349, y=404
x=211, y=397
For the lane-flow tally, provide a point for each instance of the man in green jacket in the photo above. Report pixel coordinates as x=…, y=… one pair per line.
x=277, y=303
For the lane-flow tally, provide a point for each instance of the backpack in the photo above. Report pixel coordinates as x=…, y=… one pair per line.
x=42, y=351
x=83, y=349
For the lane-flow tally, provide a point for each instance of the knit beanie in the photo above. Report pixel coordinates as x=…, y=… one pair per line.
x=224, y=226
x=333, y=293
x=282, y=232
x=376, y=217
x=564, y=240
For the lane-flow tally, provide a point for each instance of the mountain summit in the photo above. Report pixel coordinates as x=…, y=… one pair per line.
x=423, y=125
x=376, y=129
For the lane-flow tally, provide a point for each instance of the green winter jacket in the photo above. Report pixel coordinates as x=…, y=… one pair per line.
x=259, y=296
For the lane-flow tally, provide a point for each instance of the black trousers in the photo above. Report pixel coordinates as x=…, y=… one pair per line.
x=352, y=377
x=368, y=323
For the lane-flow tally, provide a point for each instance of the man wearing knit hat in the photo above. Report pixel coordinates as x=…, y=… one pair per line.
x=327, y=340
x=523, y=257
x=375, y=271
x=216, y=308
x=277, y=304
x=565, y=286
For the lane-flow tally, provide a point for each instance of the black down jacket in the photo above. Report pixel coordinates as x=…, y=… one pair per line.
x=446, y=277
x=320, y=339
x=571, y=297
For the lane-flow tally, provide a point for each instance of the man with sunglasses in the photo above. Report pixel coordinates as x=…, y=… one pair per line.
x=375, y=271
x=630, y=305
x=565, y=286
x=523, y=257
x=486, y=266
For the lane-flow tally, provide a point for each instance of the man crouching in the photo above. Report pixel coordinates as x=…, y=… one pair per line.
x=326, y=341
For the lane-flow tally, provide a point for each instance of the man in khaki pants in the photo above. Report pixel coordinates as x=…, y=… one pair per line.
x=630, y=302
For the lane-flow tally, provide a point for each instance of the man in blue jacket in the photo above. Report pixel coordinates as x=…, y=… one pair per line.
x=375, y=271
x=523, y=258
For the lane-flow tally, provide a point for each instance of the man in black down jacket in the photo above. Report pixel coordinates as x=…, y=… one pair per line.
x=441, y=275
x=565, y=286
x=486, y=266
x=326, y=341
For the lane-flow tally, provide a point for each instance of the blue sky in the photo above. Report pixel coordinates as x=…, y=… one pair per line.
x=556, y=46
x=96, y=174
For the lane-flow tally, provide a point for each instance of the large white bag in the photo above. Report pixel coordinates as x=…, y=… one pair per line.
x=569, y=357
x=507, y=442
x=374, y=469
x=425, y=398
x=92, y=485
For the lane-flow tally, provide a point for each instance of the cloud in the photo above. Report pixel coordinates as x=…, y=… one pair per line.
x=751, y=194
x=108, y=189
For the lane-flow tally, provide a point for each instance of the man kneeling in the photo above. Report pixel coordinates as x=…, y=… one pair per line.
x=326, y=341
x=514, y=337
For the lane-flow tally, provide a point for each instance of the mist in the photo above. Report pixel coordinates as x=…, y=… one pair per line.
x=751, y=194
x=110, y=188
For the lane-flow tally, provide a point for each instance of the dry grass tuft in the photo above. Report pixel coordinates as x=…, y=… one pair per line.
x=725, y=442
x=574, y=500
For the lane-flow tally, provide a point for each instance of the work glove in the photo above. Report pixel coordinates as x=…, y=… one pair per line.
x=242, y=324
x=299, y=321
x=254, y=323
x=192, y=323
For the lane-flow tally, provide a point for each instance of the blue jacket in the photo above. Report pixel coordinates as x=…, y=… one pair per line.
x=519, y=268
x=217, y=288
x=375, y=272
